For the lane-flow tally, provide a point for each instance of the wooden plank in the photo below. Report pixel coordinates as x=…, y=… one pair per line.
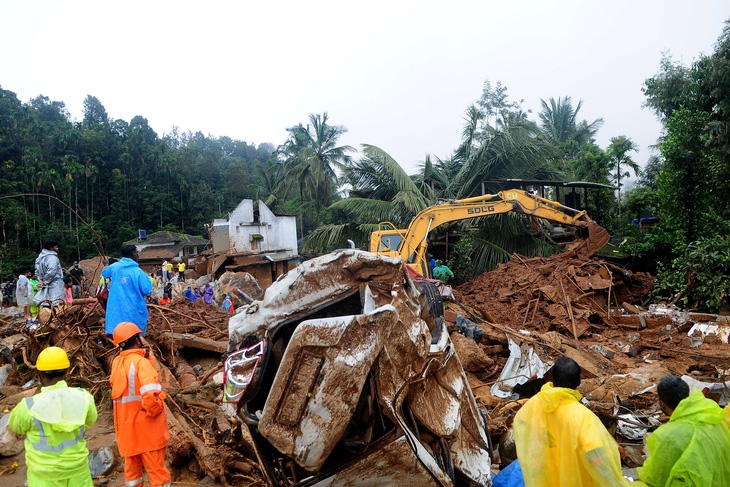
x=186, y=340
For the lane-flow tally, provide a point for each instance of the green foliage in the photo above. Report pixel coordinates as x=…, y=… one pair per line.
x=700, y=271
x=311, y=155
x=460, y=261
x=119, y=176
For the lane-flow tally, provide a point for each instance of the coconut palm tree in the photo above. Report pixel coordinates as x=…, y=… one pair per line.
x=311, y=156
x=381, y=191
x=560, y=122
x=511, y=150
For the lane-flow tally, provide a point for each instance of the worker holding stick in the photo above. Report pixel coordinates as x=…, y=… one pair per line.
x=140, y=422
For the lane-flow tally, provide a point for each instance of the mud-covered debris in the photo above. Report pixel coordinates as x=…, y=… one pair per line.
x=346, y=372
x=10, y=443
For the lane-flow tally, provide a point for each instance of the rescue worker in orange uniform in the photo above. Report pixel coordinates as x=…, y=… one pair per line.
x=140, y=422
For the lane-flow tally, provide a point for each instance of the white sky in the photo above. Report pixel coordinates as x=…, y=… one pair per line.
x=398, y=74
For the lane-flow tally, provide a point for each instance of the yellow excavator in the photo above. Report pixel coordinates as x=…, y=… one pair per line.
x=411, y=245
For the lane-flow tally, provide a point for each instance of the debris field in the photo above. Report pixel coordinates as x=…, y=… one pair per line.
x=516, y=319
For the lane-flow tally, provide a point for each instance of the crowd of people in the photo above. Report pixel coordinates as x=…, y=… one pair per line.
x=54, y=420
x=49, y=284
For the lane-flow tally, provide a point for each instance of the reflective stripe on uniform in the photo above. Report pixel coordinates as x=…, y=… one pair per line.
x=132, y=483
x=131, y=396
x=43, y=445
x=150, y=387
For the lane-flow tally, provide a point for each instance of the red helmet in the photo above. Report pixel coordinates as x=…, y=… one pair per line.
x=124, y=331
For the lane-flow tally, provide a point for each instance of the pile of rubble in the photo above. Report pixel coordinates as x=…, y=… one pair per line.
x=530, y=311
x=569, y=292
x=188, y=340
x=507, y=327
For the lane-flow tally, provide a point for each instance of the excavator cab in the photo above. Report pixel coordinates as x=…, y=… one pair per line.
x=386, y=240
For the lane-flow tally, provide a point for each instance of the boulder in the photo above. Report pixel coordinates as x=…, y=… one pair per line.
x=202, y=281
x=471, y=355
x=242, y=287
x=102, y=461
x=4, y=373
x=10, y=443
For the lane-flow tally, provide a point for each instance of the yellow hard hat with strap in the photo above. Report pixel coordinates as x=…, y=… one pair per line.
x=52, y=358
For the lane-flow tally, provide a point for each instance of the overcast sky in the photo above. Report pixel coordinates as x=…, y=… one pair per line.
x=398, y=74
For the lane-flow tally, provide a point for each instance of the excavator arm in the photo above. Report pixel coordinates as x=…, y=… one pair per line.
x=411, y=244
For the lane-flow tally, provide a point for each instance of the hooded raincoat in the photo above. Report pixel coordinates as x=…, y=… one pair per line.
x=54, y=421
x=692, y=449
x=562, y=443
x=208, y=294
x=127, y=290
x=49, y=272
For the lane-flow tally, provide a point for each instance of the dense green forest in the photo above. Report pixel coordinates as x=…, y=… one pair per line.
x=122, y=176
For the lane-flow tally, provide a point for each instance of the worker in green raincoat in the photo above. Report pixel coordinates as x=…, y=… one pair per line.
x=54, y=421
x=693, y=448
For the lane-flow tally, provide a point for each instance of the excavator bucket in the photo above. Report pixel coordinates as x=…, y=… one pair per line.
x=591, y=238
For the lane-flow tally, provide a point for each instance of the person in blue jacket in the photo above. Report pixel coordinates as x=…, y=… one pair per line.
x=127, y=290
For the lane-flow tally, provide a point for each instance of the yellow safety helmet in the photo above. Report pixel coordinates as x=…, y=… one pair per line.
x=124, y=331
x=52, y=358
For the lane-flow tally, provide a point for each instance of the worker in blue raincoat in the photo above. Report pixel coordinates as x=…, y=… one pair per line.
x=127, y=290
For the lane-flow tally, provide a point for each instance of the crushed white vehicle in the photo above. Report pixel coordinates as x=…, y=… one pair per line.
x=346, y=376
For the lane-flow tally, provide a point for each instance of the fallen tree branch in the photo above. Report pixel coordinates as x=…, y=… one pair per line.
x=207, y=458
x=210, y=373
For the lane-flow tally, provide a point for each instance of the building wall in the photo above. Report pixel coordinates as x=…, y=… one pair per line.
x=278, y=232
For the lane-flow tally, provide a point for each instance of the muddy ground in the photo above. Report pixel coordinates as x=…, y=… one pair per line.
x=570, y=304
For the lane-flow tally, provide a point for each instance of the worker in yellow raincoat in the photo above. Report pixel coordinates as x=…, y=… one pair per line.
x=54, y=421
x=693, y=448
x=560, y=443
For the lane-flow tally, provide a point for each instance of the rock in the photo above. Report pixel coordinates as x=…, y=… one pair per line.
x=634, y=337
x=634, y=456
x=471, y=355
x=603, y=351
x=630, y=350
x=202, y=281
x=102, y=461
x=242, y=287
x=10, y=443
x=450, y=316
x=507, y=448
x=4, y=373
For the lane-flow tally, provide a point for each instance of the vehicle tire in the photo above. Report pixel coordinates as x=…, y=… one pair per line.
x=435, y=306
x=433, y=298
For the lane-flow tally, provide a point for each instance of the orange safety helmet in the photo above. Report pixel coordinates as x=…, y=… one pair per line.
x=124, y=331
